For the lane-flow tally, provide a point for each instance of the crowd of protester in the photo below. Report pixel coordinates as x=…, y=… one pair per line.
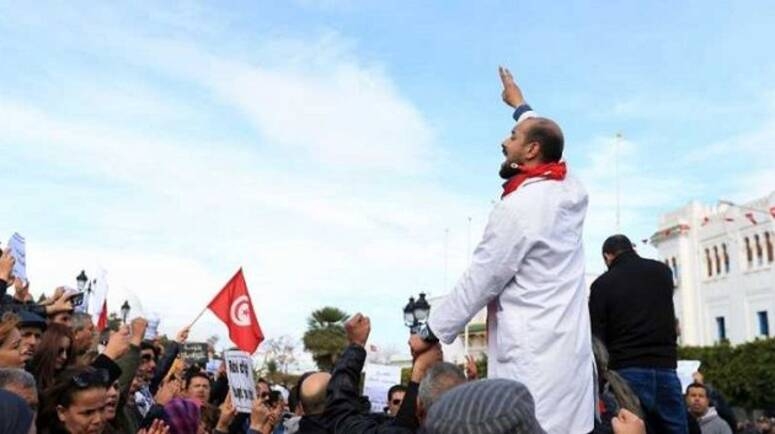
x=59, y=374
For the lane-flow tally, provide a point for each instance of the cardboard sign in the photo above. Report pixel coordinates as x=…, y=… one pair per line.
x=16, y=244
x=239, y=370
x=378, y=379
x=685, y=370
x=195, y=353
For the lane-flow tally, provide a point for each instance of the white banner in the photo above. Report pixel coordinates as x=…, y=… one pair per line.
x=239, y=370
x=378, y=379
x=16, y=244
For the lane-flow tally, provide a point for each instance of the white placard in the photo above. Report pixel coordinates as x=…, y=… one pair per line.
x=152, y=331
x=16, y=244
x=378, y=379
x=239, y=370
x=685, y=370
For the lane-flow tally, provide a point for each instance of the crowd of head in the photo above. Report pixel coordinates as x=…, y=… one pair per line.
x=59, y=374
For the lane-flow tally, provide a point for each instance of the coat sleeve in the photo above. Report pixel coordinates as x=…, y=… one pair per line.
x=494, y=264
x=170, y=354
x=344, y=413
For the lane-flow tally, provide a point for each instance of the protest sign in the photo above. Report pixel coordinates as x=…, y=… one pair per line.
x=16, y=244
x=684, y=370
x=378, y=379
x=239, y=370
x=195, y=353
x=152, y=331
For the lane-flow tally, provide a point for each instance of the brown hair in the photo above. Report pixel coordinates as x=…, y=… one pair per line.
x=43, y=363
x=7, y=324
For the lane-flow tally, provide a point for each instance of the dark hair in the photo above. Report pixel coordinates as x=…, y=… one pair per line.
x=394, y=389
x=616, y=244
x=548, y=134
x=191, y=374
x=696, y=385
x=43, y=363
x=62, y=392
x=145, y=345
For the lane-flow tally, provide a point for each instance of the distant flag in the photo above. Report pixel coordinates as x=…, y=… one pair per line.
x=233, y=306
x=772, y=211
x=750, y=217
x=98, y=300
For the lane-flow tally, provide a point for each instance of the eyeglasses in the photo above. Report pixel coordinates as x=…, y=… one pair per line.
x=91, y=377
x=396, y=402
x=146, y=357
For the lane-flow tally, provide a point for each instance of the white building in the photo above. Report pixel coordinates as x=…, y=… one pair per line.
x=724, y=267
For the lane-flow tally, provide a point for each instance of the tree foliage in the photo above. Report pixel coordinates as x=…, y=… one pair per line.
x=745, y=373
x=325, y=337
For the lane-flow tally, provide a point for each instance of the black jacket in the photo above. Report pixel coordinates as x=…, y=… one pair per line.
x=631, y=308
x=314, y=424
x=344, y=413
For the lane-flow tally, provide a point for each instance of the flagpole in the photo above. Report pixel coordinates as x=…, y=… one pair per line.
x=198, y=316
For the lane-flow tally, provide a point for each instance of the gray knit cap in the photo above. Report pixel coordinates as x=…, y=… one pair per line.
x=496, y=406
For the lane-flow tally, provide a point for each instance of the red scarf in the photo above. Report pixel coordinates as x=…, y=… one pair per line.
x=549, y=171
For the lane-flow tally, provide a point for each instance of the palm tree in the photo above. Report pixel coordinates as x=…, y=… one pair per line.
x=325, y=337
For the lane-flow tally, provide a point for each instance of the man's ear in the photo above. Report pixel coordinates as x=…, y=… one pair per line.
x=534, y=151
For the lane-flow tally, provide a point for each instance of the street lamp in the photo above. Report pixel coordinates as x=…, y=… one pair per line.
x=125, y=310
x=409, y=313
x=81, y=280
x=421, y=310
x=416, y=312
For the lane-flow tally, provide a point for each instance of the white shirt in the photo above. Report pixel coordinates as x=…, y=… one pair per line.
x=529, y=272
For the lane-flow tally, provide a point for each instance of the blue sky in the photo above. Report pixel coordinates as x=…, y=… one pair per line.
x=327, y=145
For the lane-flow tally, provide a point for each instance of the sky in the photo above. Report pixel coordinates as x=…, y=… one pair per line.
x=344, y=152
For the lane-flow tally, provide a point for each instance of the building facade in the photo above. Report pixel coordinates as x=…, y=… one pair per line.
x=723, y=265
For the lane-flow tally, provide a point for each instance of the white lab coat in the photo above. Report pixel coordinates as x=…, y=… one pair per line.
x=529, y=272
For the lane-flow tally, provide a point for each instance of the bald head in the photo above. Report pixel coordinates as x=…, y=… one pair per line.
x=548, y=134
x=312, y=393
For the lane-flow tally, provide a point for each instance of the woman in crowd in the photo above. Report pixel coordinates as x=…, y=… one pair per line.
x=54, y=354
x=75, y=403
x=10, y=342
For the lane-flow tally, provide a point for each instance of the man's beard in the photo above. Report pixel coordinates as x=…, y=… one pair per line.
x=507, y=171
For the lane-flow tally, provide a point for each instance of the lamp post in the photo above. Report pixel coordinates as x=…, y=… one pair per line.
x=81, y=280
x=416, y=312
x=125, y=310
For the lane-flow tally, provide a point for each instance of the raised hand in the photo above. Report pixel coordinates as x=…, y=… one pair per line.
x=424, y=360
x=228, y=412
x=6, y=265
x=182, y=335
x=511, y=94
x=472, y=372
x=358, y=329
x=118, y=343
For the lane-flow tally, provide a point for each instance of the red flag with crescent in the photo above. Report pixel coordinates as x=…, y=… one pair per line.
x=233, y=306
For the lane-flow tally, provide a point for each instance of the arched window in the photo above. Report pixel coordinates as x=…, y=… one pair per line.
x=726, y=257
x=718, y=259
x=759, y=251
x=748, y=252
x=768, y=245
x=708, y=262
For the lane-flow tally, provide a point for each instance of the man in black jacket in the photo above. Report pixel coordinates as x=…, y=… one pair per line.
x=632, y=313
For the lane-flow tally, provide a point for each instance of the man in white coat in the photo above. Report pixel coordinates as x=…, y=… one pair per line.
x=529, y=272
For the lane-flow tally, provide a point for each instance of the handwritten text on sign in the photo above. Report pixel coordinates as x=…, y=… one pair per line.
x=239, y=370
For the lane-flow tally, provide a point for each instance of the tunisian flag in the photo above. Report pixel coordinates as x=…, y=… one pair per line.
x=233, y=306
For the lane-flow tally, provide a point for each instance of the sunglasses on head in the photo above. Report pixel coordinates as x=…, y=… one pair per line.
x=91, y=377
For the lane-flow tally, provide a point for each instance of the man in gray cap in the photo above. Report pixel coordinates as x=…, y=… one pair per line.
x=497, y=406
x=31, y=328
